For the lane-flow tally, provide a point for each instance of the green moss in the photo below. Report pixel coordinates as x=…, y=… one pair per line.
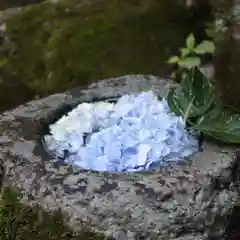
x=18, y=222
x=4, y=4
x=56, y=46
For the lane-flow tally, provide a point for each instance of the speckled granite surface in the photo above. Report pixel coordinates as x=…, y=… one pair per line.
x=177, y=202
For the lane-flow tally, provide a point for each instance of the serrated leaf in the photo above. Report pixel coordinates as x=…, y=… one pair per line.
x=184, y=52
x=173, y=59
x=189, y=62
x=222, y=124
x=193, y=97
x=205, y=47
x=190, y=41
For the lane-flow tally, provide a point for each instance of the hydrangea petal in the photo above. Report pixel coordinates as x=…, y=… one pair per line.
x=137, y=133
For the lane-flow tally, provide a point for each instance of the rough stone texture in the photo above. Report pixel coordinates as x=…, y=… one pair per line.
x=177, y=202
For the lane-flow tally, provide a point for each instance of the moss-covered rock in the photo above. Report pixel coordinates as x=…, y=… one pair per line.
x=19, y=222
x=185, y=201
x=51, y=47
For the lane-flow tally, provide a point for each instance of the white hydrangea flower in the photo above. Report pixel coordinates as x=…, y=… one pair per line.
x=105, y=106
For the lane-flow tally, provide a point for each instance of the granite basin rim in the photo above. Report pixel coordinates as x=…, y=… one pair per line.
x=131, y=205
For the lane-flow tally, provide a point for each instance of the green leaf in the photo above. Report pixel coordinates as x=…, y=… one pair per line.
x=193, y=97
x=190, y=41
x=189, y=62
x=185, y=52
x=173, y=59
x=205, y=47
x=222, y=124
x=173, y=75
x=3, y=62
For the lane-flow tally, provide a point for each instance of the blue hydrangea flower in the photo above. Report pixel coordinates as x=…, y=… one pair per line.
x=138, y=133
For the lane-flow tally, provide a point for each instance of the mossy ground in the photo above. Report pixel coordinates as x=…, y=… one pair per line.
x=18, y=222
x=52, y=47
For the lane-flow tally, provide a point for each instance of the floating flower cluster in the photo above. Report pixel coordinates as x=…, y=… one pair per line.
x=137, y=133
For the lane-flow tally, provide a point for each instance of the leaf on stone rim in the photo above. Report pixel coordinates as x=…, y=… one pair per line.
x=193, y=97
x=220, y=123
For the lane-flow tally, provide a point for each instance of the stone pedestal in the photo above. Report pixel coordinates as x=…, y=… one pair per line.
x=190, y=201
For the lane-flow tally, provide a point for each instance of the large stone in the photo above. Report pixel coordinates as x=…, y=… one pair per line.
x=189, y=201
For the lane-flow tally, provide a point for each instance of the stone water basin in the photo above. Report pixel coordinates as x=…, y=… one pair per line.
x=189, y=201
